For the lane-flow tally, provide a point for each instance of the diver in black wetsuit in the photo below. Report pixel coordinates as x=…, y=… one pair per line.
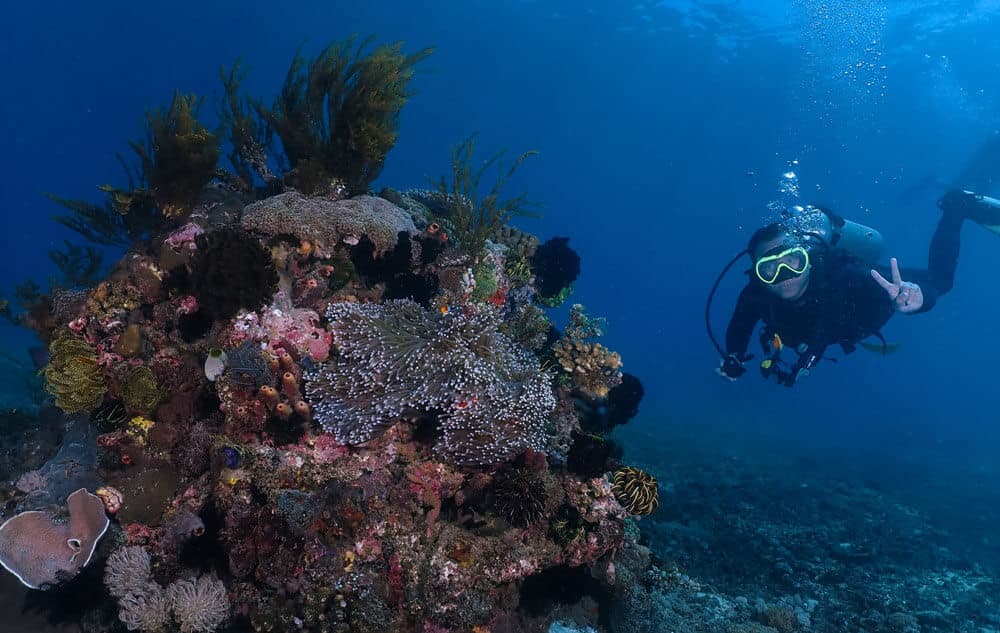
x=810, y=295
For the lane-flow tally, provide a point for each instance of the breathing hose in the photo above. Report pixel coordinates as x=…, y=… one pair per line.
x=711, y=296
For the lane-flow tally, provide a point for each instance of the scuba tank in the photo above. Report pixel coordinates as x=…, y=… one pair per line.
x=853, y=239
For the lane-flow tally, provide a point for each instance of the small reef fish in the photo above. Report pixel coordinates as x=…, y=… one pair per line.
x=215, y=364
x=776, y=343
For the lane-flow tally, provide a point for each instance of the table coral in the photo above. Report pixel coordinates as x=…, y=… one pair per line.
x=324, y=223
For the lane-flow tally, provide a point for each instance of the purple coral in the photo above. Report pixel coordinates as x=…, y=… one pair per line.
x=396, y=358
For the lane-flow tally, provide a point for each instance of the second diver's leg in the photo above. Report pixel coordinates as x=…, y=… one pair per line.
x=942, y=258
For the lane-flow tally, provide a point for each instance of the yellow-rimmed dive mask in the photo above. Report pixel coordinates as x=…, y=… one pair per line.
x=794, y=259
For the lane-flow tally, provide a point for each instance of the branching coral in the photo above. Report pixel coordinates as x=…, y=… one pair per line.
x=177, y=159
x=338, y=115
x=232, y=271
x=179, y=155
x=592, y=368
x=474, y=217
x=111, y=300
x=397, y=358
x=529, y=327
x=73, y=376
x=636, y=490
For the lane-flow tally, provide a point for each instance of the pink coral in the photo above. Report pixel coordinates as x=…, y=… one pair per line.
x=245, y=326
x=188, y=304
x=432, y=482
x=594, y=499
x=183, y=238
x=326, y=449
x=301, y=328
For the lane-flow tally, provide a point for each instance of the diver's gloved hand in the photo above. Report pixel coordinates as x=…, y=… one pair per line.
x=731, y=367
x=907, y=295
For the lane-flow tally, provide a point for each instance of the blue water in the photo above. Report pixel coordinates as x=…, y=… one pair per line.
x=664, y=130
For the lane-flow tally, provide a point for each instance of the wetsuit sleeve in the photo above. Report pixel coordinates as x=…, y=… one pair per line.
x=741, y=324
x=871, y=305
x=923, y=279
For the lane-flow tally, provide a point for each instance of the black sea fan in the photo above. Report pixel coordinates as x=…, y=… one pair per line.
x=555, y=265
x=592, y=455
x=231, y=271
x=519, y=496
x=601, y=415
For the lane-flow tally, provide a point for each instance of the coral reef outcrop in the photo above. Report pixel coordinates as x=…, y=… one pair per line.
x=321, y=409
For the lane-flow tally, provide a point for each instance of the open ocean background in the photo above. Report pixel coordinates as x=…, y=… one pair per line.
x=664, y=130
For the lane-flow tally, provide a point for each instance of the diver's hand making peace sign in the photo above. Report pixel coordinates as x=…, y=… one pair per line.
x=907, y=296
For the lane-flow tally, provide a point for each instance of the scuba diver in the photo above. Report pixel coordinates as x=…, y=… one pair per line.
x=815, y=283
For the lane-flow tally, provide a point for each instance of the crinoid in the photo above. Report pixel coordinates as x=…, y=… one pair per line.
x=636, y=490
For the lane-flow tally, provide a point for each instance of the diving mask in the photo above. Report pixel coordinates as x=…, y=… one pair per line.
x=794, y=259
